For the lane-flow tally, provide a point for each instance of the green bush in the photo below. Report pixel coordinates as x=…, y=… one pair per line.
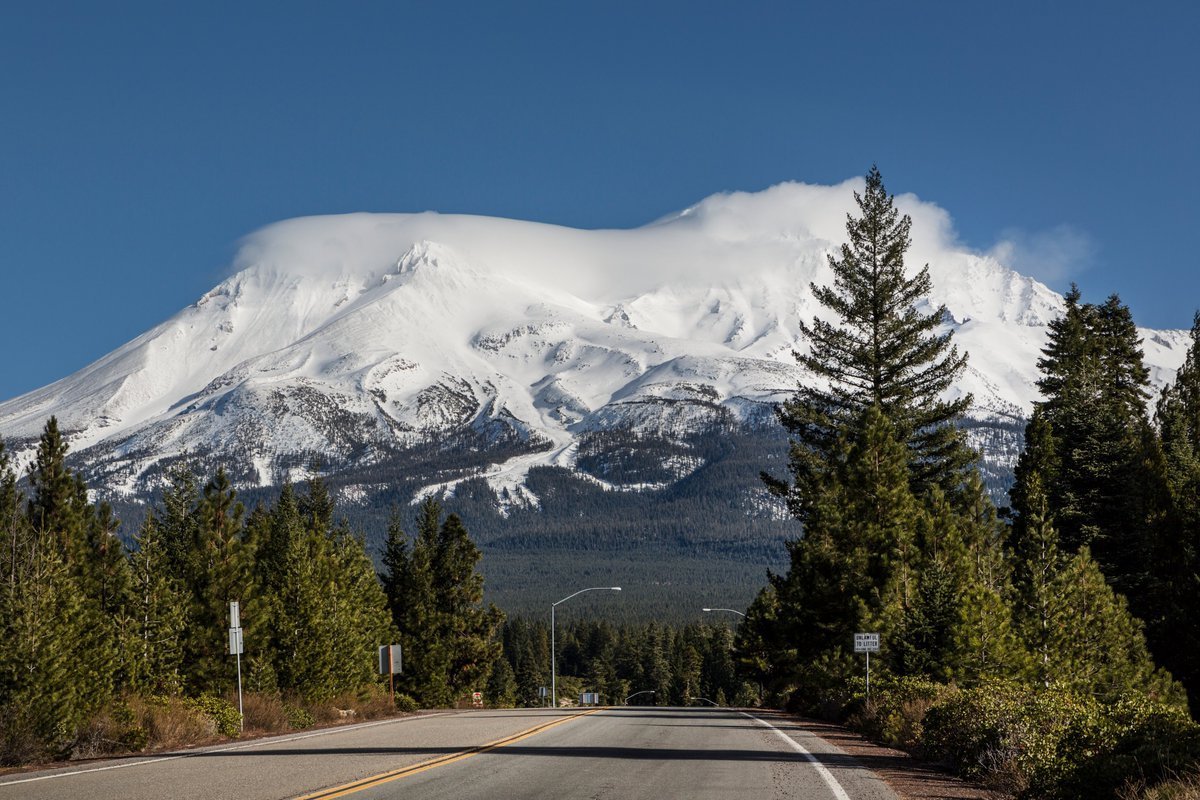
x=1014, y=737
x=222, y=713
x=1145, y=745
x=1050, y=742
x=406, y=704
x=895, y=712
x=299, y=718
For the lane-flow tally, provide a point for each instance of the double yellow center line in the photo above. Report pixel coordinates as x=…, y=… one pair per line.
x=440, y=761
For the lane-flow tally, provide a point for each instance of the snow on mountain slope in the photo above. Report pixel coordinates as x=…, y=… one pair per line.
x=356, y=337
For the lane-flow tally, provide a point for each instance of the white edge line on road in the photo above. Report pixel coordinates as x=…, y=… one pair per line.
x=822, y=770
x=243, y=746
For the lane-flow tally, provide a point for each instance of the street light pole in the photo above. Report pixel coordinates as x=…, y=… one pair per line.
x=553, y=655
x=730, y=610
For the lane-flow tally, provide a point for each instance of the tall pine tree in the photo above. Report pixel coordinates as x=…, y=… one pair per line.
x=879, y=350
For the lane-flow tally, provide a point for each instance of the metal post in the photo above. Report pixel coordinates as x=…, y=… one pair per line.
x=235, y=646
x=868, y=674
x=392, y=676
x=553, y=663
x=241, y=713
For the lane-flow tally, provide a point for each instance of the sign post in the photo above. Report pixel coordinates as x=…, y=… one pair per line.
x=391, y=661
x=867, y=643
x=235, y=648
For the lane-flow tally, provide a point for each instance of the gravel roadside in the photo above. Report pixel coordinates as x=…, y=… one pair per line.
x=908, y=777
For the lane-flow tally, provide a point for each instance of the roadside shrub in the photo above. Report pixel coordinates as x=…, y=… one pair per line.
x=171, y=722
x=116, y=729
x=1013, y=737
x=298, y=718
x=225, y=717
x=895, y=712
x=1147, y=745
x=406, y=703
x=264, y=712
x=827, y=686
x=19, y=744
x=374, y=702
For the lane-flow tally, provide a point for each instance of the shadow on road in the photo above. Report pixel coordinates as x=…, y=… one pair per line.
x=834, y=760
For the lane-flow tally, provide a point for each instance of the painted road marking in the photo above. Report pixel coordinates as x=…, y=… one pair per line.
x=825, y=774
x=206, y=751
x=440, y=761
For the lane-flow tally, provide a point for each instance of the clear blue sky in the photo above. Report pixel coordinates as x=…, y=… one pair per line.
x=138, y=141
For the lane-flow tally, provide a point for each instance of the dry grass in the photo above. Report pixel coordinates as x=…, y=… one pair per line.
x=264, y=713
x=1186, y=787
x=170, y=724
x=136, y=723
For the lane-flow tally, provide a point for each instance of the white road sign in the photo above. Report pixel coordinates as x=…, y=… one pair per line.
x=866, y=642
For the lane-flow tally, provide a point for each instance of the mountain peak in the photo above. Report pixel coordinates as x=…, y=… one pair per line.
x=360, y=335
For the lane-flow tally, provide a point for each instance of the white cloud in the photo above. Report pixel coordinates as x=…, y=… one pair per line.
x=1052, y=255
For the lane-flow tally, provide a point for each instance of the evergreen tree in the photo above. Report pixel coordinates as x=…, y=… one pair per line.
x=159, y=616
x=447, y=633
x=316, y=506
x=106, y=580
x=179, y=525
x=223, y=574
x=359, y=618
x=53, y=507
x=61, y=518
x=395, y=565
x=1106, y=489
x=501, y=691
x=1177, y=588
x=1103, y=650
x=1079, y=631
x=47, y=623
x=856, y=568
x=880, y=351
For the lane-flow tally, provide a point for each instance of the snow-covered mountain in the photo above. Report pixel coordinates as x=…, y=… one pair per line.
x=359, y=339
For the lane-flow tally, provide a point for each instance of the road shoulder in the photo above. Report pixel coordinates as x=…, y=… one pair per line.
x=908, y=777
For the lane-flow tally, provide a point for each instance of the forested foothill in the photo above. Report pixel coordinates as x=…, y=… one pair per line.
x=1049, y=648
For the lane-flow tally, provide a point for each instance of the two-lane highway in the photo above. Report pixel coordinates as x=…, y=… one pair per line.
x=634, y=752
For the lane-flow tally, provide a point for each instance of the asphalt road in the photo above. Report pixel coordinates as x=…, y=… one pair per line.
x=635, y=752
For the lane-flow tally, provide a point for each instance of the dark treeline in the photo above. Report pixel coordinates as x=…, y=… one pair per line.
x=662, y=664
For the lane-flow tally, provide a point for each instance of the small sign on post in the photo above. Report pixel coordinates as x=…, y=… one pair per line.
x=391, y=661
x=867, y=643
x=477, y=699
x=544, y=693
x=235, y=642
x=589, y=699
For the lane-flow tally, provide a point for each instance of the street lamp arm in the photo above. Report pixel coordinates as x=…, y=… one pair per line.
x=589, y=589
x=553, y=648
x=730, y=610
x=635, y=694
